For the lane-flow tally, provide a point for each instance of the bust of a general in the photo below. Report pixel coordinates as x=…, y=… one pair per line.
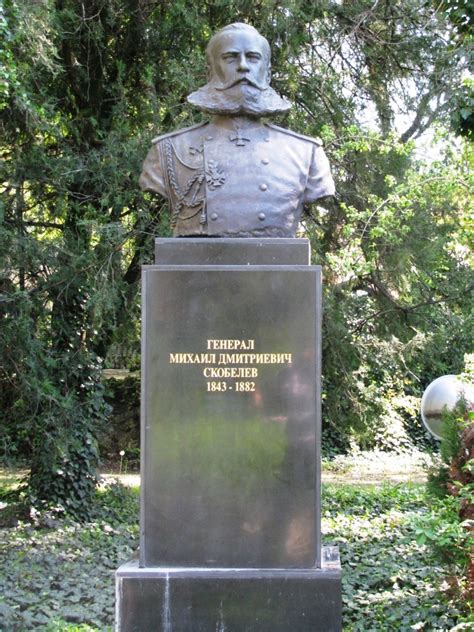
x=235, y=175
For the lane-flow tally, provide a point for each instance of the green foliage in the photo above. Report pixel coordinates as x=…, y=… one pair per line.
x=116, y=503
x=83, y=89
x=448, y=524
x=441, y=528
x=63, y=626
x=403, y=262
x=58, y=574
x=460, y=15
x=438, y=478
x=123, y=433
x=391, y=579
x=462, y=103
x=455, y=422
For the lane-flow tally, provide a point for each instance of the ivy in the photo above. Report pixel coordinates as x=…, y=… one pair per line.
x=59, y=574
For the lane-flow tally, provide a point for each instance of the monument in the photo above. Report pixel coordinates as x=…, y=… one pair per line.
x=236, y=176
x=230, y=536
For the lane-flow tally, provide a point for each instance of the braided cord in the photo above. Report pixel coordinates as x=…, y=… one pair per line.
x=180, y=194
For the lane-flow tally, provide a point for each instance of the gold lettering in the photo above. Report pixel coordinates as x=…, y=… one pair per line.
x=254, y=358
x=230, y=371
x=231, y=345
x=229, y=364
x=192, y=358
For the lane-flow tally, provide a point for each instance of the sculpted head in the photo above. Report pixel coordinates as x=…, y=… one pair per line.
x=238, y=60
x=238, y=53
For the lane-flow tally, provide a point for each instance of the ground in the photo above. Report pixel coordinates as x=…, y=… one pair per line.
x=59, y=575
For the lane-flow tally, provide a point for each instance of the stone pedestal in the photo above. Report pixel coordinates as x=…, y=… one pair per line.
x=229, y=600
x=230, y=508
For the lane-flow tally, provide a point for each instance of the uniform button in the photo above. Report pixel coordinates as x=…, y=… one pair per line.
x=208, y=137
x=214, y=216
x=265, y=161
x=263, y=186
x=261, y=216
x=267, y=140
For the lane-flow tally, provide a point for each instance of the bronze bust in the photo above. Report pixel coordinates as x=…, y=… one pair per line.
x=236, y=176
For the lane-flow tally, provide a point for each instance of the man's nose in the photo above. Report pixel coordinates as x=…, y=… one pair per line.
x=243, y=63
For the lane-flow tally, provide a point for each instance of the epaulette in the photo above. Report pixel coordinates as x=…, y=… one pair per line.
x=316, y=141
x=177, y=132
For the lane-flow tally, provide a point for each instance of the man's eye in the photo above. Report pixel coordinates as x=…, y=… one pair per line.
x=253, y=57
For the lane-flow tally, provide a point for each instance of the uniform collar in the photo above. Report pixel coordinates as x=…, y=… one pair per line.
x=232, y=123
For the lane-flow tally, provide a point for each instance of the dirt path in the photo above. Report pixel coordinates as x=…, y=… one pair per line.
x=364, y=468
x=376, y=468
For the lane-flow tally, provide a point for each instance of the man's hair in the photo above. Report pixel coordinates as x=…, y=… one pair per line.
x=238, y=26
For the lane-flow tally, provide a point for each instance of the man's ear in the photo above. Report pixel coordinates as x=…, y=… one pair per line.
x=269, y=74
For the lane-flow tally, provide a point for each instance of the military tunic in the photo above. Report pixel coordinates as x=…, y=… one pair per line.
x=230, y=181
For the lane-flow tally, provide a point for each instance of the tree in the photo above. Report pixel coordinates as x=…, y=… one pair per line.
x=86, y=85
x=461, y=16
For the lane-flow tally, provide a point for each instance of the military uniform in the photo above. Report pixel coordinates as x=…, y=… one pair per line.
x=229, y=181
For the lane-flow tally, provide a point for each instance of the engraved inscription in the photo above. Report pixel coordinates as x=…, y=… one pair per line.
x=225, y=372
x=231, y=344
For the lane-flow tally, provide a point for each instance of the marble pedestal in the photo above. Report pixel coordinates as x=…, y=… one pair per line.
x=230, y=508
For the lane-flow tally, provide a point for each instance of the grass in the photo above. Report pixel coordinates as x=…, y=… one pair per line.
x=59, y=575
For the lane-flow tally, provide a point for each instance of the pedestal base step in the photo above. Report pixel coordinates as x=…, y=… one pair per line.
x=228, y=600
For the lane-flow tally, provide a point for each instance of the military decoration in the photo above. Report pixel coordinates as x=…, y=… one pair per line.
x=215, y=176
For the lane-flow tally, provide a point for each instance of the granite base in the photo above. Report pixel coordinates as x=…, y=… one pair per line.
x=228, y=600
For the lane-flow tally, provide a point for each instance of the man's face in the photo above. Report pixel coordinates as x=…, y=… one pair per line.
x=239, y=58
x=239, y=82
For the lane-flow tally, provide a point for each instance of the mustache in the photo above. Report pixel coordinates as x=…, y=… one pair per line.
x=238, y=101
x=244, y=80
